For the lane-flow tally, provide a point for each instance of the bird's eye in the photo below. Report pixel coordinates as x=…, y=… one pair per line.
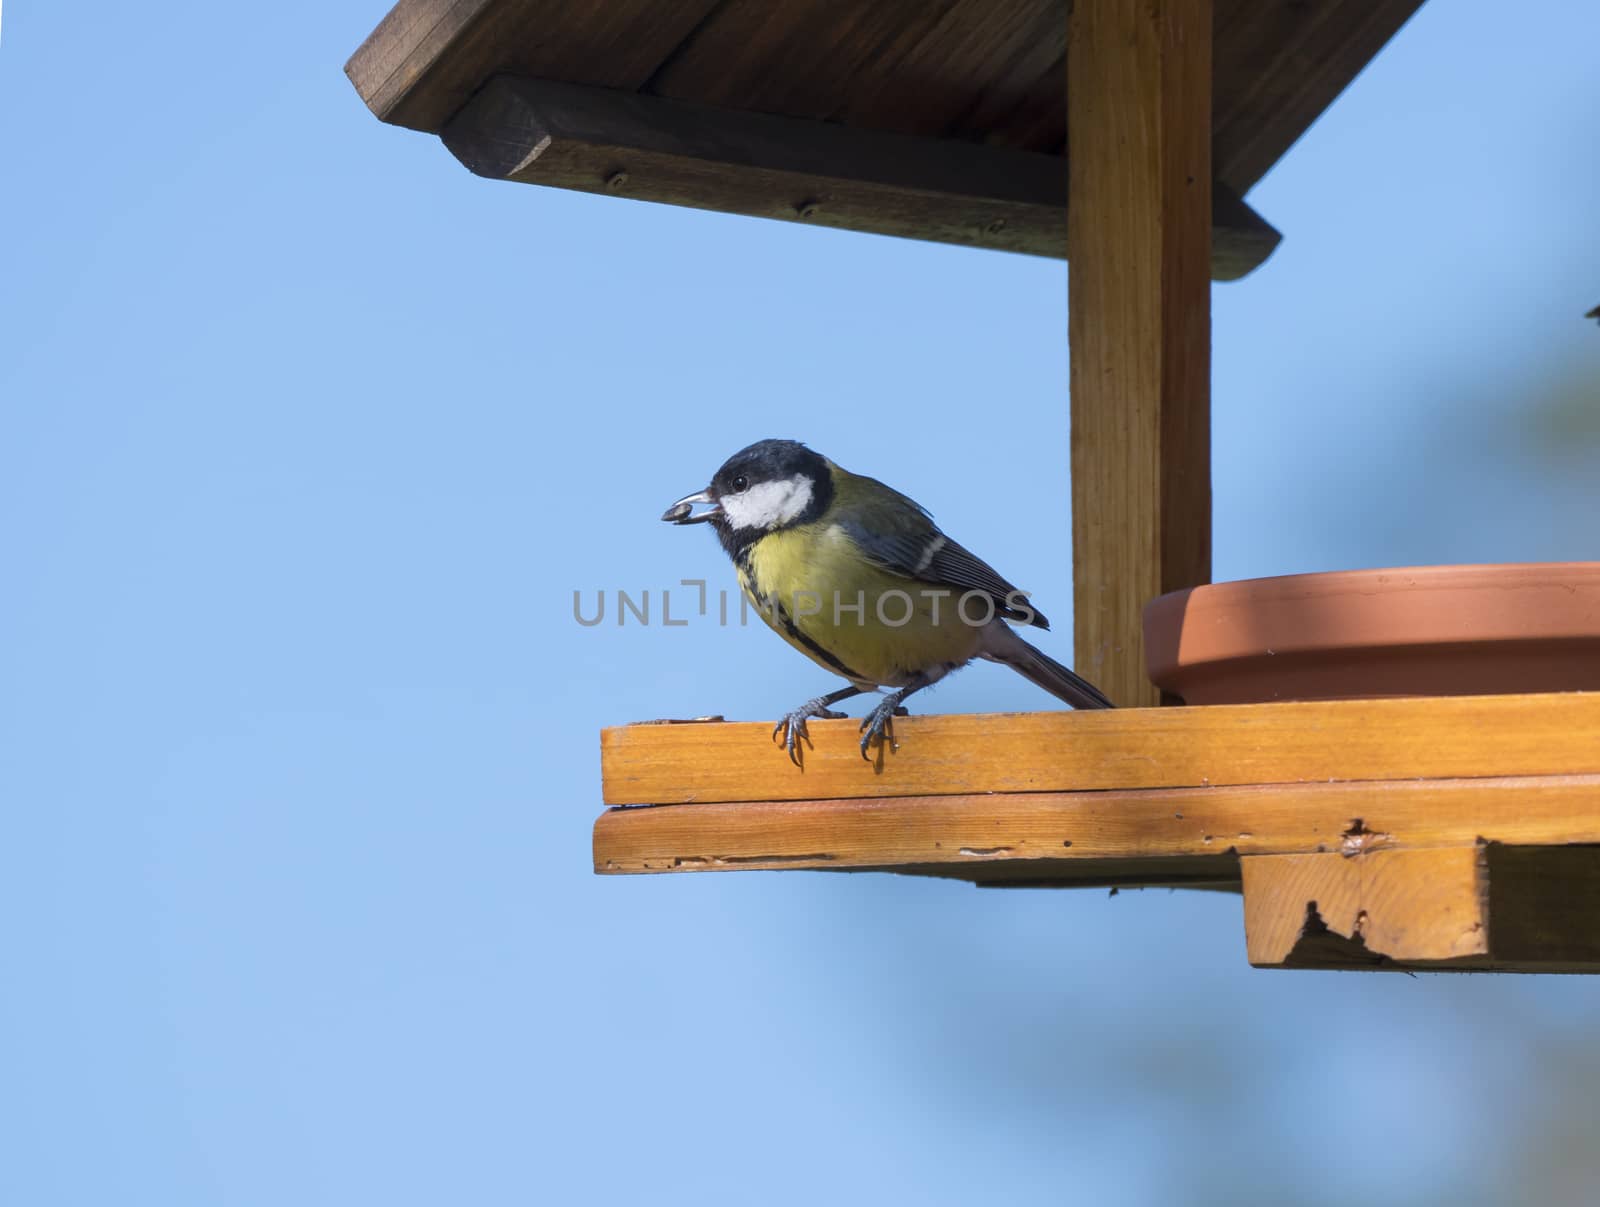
x=741, y=484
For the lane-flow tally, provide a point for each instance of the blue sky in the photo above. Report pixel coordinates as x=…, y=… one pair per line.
x=307, y=436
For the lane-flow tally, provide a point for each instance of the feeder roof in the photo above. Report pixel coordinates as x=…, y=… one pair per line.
x=930, y=119
x=984, y=71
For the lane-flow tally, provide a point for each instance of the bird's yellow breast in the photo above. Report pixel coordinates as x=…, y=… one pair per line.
x=816, y=590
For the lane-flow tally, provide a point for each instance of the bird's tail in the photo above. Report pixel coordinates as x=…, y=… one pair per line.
x=1004, y=645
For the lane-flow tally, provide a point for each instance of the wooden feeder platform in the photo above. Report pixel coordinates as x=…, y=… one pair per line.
x=1451, y=833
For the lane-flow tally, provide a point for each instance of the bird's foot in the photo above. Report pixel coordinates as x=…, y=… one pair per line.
x=878, y=726
x=791, y=731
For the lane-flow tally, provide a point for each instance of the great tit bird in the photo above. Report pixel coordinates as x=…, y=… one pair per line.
x=859, y=578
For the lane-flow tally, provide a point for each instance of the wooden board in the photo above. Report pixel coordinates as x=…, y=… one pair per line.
x=618, y=143
x=1152, y=835
x=1223, y=745
x=1139, y=313
x=1391, y=904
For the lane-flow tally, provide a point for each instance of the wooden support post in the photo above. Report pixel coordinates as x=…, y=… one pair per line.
x=1139, y=320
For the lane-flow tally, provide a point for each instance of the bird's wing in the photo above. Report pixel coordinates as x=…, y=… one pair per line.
x=909, y=544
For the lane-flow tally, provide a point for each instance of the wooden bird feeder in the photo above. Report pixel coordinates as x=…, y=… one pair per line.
x=1437, y=832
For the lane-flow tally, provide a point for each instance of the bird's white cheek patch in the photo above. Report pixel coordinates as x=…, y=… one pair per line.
x=768, y=504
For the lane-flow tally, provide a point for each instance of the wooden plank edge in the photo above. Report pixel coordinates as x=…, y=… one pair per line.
x=397, y=55
x=1449, y=737
x=1058, y=836
x=618, y=143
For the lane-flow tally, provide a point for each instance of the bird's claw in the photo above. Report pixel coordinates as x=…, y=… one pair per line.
x=878, y=726
x=791, y=731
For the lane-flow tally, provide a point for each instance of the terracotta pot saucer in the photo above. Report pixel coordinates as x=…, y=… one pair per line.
x=1416, y=631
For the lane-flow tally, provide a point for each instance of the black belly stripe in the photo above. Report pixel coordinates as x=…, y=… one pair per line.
x=793, y=630
x=777, y=609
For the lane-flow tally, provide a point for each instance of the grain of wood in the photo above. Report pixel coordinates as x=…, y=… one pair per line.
x=800, y=58
x=1139, y=316
x=1411, y=906
x=1279, y=66
x=1021, y=105
x=389, y=68
x=976, y=63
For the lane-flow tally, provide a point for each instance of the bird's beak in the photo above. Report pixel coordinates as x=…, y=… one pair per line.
x=681, y=511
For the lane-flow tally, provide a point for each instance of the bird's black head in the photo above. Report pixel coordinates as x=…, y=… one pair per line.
x=772, y=484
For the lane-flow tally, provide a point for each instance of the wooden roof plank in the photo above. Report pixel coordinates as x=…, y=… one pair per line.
x=799, y=58
x=1028, y=116
x=1279, y=66
x=427, y=57
x=980, y=60
x=625, y=144
x=388, y=68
